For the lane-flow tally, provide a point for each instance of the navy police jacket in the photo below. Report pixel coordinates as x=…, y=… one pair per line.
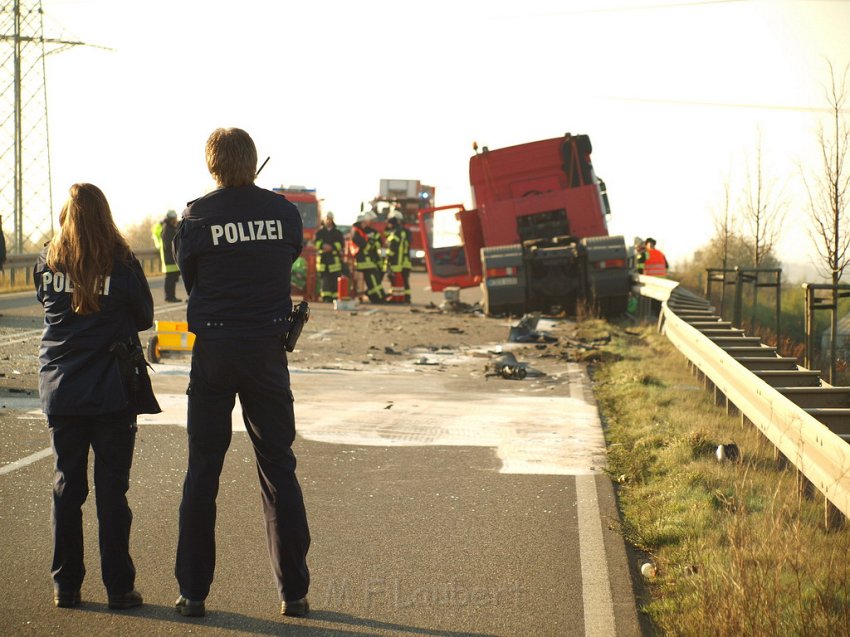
x=78, y=375
x=235, y=247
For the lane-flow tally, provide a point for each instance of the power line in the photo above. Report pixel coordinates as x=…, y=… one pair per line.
x=642, y=7
x=24, y=133
x=765, y=107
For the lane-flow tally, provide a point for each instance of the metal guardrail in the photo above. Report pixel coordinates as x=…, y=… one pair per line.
x=17, y=270
x=805, y=418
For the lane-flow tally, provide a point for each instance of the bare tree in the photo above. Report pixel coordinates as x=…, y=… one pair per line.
x=763, y=211
x=724, y=221
x=828, y=192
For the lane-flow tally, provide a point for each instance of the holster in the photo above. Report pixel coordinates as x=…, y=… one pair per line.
x=297, y=319
x=134, y=370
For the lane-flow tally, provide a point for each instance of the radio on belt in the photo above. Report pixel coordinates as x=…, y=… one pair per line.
x=300, y=315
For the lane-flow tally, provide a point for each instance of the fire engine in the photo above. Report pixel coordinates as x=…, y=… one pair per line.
x=536, y=238
x=309, y=206
x=408, y=196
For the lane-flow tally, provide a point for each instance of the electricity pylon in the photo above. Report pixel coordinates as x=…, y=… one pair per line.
x=25, y=184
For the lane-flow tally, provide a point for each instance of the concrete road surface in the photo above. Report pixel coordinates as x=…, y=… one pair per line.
x=438, y=505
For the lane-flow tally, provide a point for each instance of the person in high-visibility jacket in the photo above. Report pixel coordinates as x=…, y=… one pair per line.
x=397, y=260
x=329, y=245
x=163, y=237
x=365, y=244
x=639, y=254
x=655, y=263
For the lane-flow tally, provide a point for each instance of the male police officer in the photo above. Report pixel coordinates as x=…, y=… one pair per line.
x=235, y=247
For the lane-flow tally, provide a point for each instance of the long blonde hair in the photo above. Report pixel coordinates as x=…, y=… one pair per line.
x=87, y=245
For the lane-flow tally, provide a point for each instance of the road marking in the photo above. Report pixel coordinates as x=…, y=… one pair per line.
x=20, y=337
x=168, y=309
x=319, y=334
x=23, y=462
x=595, y=582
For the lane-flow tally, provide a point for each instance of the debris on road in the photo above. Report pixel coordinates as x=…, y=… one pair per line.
x=507, y=366
x=525, y=331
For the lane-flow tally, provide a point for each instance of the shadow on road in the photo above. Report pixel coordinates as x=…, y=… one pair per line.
x=319, y=622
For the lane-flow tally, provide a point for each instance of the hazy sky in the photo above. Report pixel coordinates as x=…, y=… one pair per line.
x=674, y=96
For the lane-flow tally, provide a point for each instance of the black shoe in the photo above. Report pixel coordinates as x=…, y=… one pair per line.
x=66, y=599
x=189, y=608
x=173, y=299
x=130, y=599
x=296, y=608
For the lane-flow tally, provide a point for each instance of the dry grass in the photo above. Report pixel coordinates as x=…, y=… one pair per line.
x=739, y=550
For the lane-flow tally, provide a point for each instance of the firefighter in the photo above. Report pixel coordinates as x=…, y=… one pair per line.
x=365, y=244
x=655, y=263
x=163, y=236
x=640, y=254
x=329, y=245
x=397, y=260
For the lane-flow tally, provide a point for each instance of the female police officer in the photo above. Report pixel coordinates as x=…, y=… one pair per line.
x=95, y=299
x=235, y=248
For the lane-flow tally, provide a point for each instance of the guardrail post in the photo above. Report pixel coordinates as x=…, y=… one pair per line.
x=719, y=397
x=737, y=309
x=804, y=486
x=810, y=315
x=780, y=459
x=833, y=519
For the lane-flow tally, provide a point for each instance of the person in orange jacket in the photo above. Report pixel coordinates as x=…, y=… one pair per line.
x=655, y=263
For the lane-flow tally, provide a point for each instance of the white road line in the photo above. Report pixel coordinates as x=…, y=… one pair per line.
x=23, y=462
x=319, y=334
x=22, y=337
x=595, y=582
x=168, y=309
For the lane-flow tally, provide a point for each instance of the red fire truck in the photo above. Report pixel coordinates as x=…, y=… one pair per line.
x=537, y=238
x=309, y=206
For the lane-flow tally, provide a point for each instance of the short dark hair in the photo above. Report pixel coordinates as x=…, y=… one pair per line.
x=231, y=157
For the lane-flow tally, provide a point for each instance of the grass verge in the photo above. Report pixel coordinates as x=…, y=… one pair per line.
x=738, y=547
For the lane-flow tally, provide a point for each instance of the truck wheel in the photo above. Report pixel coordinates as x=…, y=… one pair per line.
x=154, y=355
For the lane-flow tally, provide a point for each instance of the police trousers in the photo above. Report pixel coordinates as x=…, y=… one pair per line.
x=112, y=438
x=256, y=370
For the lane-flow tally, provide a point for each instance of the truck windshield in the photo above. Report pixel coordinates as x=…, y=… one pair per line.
x=442, y=231
x=309, y=211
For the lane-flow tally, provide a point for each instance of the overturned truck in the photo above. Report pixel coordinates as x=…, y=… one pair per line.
x=537, y=237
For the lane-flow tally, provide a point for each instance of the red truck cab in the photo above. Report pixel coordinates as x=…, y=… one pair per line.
x=539, y=213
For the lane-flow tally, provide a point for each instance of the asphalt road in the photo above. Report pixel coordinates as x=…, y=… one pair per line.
x=439, y=504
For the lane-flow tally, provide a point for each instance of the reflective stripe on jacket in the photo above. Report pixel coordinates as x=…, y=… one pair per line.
x=655, y=264
x=163, y=239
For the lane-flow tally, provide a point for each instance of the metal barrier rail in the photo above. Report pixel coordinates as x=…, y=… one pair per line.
x=17, y=271
x=804, y=417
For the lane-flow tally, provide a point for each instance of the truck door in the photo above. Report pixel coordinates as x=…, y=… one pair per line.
x=444, y=250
